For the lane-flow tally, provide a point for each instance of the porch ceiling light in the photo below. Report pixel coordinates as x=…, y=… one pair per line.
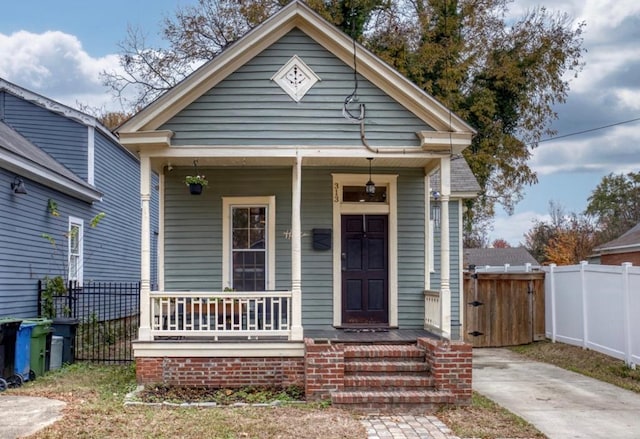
x=370, y=187
x=18, y=186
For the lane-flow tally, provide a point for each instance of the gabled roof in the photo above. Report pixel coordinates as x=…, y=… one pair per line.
x=628, y=241
x=297, y=15
x=514, y=256
x=19, y=155
x=463, y=182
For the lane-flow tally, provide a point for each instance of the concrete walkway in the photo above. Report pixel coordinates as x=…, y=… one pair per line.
x=559, y=403
x=406, y=427
x=22, y=416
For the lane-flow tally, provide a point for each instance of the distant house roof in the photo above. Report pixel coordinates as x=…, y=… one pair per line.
x=628, y=241
x=19, y=155
x=55, y=107
x=480, y=257
x=463, y=182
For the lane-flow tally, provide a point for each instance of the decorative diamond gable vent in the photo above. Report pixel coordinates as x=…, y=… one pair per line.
x=295, y=78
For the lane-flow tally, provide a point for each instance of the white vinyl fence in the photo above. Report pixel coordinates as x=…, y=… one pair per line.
x=506, y=268
x=595, y=307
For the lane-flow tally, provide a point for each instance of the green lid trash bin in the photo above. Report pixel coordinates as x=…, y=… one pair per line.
x=39, y=351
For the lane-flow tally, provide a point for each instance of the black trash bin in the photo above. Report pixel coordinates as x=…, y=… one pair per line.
x=66, y=328
x=8, y=332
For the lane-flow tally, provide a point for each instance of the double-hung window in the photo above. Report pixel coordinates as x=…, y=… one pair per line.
x=249, y=232
x=74, y=251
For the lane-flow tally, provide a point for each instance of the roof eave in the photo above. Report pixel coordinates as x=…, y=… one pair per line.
x=618, y=249
x=37, y=173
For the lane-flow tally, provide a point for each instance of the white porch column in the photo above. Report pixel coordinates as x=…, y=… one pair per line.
x=445, y=282
x=144, y=332
x=296, y=251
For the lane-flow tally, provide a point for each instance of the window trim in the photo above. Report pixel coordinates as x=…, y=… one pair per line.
x=74, y=221
x=270, y=203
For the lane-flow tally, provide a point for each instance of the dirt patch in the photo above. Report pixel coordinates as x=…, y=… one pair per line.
x=95, y=396
x=487, y=420
x=250, y=395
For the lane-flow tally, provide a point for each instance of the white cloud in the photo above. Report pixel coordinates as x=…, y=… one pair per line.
x=605, y=15
x=615, y=149
x=55, y=65
x=512, y=228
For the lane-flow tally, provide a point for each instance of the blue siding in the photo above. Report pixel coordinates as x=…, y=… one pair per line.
x=111, y=251
x=62, y=138
x=25, y=256
x=248, y=108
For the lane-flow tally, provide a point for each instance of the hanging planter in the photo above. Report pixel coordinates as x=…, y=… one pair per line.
x=196, y=182
x=195, y=188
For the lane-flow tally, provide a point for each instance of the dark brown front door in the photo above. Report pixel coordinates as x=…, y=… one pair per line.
x=365, y=283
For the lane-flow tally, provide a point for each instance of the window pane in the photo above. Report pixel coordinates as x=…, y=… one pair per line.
x=240, y=239
x=258, y=217
x=240, y=218
x=257, y=239
x=74, y=239
x=357, y=194
x=249, y=270
x=73, y=267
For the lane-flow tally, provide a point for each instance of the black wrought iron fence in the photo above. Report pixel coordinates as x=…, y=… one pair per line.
x=108, y=314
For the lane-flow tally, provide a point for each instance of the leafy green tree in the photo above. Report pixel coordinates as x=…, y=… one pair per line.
x=615, y=203
x=503, y=77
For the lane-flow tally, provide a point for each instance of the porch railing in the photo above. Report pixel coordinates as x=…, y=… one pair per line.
x=432, y=310
x=221, y=314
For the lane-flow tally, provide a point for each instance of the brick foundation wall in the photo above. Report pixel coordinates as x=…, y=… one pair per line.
x=451, y=367
x=324, y=369
x=320, y=371
x=221, y=372
x=619, y=258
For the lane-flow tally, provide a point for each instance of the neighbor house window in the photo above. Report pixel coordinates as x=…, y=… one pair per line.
x=249, y=231
x=75, y=262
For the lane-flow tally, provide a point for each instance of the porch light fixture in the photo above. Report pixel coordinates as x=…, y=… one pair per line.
x=18, y=186
x=370, y=187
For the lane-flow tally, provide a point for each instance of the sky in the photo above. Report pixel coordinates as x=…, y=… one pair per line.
x=58, y=48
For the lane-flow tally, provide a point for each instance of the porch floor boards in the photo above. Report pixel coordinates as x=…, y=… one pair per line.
x=368, y=336
x=334, y=335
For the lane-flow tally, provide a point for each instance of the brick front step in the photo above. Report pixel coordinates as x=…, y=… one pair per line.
x=402, y=401
x=396, y=382
x=386, y=352
x=377, y=367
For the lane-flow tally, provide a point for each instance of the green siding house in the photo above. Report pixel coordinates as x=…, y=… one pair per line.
x=319, y=216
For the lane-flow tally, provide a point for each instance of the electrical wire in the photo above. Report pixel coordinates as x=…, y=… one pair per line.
x=577, y=133
x=353, y=97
